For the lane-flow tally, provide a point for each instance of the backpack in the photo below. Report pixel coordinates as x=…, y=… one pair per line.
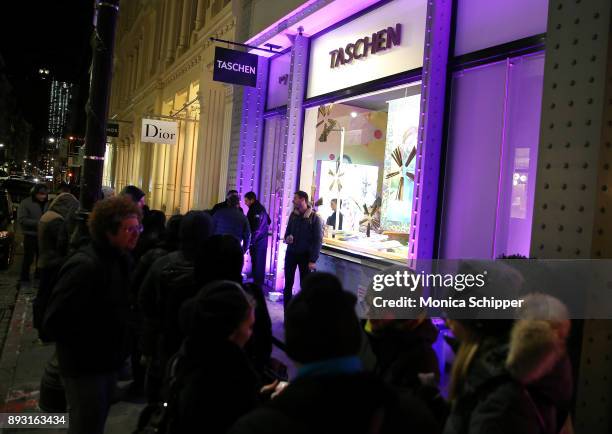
x=158, y=418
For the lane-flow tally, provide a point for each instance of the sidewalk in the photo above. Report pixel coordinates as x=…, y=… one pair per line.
x=24, y=357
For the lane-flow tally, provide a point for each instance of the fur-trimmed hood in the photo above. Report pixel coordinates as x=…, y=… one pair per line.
x=535, y=348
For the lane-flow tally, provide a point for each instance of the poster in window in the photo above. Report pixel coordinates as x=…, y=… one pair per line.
x=399, y=165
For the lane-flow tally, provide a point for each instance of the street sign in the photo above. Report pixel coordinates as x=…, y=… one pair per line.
x=235, y=67
x=112, y=130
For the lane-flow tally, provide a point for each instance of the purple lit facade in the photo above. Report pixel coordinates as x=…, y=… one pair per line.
x=478, y=130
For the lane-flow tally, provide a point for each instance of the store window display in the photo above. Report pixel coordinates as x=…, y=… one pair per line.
x=358, y=165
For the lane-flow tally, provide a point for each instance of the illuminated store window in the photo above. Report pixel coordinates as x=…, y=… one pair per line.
x=358, y=165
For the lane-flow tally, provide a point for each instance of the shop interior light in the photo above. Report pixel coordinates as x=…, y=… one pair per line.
x=353, y=115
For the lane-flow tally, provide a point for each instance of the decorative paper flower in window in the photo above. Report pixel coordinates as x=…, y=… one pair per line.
x=336, y=175
x=403, y=163
x=324, y=119
x=371, y=217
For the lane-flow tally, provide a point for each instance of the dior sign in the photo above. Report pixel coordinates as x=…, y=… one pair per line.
x=382, y=40
x=155, y=131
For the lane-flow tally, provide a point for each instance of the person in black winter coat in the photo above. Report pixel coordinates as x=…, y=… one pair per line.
x=54, y=231
x=231, y=221
x=28, y=215
x=511, y=377
x=259, y=221
x=168, y=243
x=331, y=393
x=217, y=384
x=221, y=259
x=88, y=312
x=169, y=282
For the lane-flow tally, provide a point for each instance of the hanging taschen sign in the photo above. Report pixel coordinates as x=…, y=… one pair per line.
x=235, y=67
x=156, y=131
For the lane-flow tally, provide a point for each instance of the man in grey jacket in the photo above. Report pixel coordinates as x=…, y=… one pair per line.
x=28, y=215
x=304, y=237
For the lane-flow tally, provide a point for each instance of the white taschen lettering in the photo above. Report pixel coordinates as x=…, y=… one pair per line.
x=238, y=67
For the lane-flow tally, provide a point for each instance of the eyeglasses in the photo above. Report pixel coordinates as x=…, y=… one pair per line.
x=133, y=230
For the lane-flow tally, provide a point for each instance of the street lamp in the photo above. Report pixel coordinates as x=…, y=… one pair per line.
x=51, y=140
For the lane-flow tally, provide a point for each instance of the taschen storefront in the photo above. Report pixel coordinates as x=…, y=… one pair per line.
x=413, y=125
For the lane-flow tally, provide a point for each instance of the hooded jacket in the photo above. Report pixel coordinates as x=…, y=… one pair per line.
x=30, y=211
x=54, y=230
x=504, y=389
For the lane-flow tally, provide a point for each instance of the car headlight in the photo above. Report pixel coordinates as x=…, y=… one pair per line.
x=3, y=235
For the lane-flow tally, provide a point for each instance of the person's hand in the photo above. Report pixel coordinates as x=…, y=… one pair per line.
x=312, y=266
x=269, y=388
x=289, y=239
x=276, y=388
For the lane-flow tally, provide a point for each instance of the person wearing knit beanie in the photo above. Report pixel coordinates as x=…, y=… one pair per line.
x=220, y=311
x=217, y=383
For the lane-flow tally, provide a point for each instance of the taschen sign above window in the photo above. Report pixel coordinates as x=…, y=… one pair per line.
x=381, y=41
x=386, y=41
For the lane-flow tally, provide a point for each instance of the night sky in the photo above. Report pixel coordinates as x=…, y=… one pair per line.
x=50, y=34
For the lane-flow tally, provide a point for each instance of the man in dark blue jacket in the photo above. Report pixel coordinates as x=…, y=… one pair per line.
x=231, y=221
x=304, y=237
x=259, y=221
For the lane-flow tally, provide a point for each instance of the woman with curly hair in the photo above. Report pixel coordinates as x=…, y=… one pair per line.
x=88, y=311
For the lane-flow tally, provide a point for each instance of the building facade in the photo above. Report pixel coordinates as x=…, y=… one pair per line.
x=163, y=70
x=444, y=130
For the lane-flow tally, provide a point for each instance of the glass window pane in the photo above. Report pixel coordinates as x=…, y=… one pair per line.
x=358, y=165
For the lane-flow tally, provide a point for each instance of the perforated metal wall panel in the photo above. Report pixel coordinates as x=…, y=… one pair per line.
x=249, y=155
x=431, y=131
x=573, y=202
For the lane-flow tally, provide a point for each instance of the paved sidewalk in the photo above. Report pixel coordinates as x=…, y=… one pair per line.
x=23, y=359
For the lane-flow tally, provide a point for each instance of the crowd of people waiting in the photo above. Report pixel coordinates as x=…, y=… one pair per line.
x=168, y=299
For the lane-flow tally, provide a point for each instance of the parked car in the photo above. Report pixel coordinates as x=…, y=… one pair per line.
x=7, y=231
x=18, y=189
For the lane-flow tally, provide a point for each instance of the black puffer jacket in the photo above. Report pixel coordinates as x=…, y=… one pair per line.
x=88, y=311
